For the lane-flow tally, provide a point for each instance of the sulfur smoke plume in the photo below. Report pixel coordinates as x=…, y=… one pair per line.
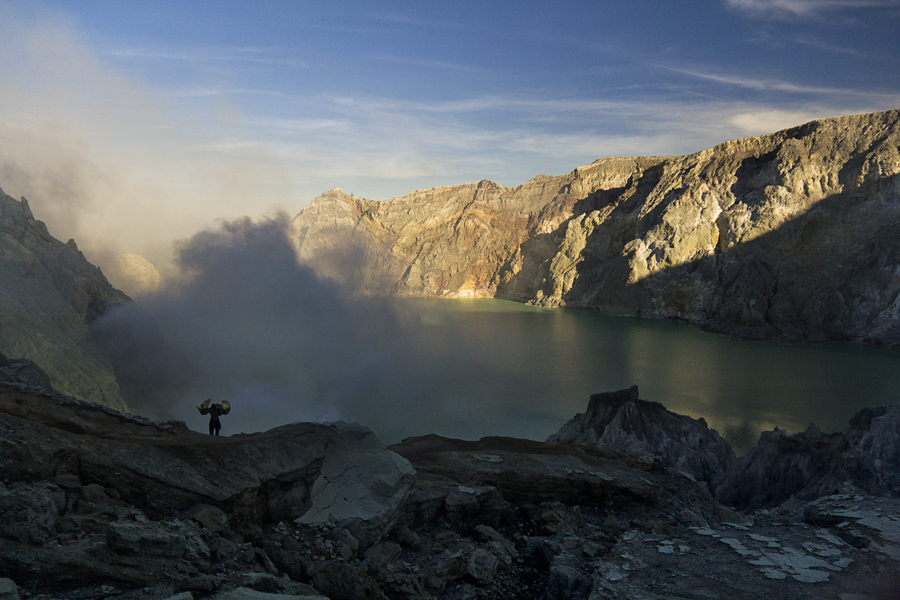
x=251, y=325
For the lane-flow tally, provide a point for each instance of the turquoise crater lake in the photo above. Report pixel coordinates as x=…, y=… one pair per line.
x=515, y=370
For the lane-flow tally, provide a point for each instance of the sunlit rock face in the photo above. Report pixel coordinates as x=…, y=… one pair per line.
x=49, y=294
x=133, y=274
x=792, y=235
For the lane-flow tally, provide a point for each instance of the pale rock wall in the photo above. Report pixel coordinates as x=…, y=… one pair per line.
x=792, y=236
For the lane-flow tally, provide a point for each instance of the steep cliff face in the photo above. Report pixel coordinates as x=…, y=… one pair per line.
x=48, y=294
x=794, y=235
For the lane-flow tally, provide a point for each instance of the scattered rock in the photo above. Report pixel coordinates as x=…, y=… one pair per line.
x=383, y=553
x=211, y=518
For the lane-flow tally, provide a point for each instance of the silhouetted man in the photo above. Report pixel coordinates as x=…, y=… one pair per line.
x=214, y=411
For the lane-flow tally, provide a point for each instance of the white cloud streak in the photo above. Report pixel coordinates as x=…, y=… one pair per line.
x=776, y=85
x=205, y=55
x=805, y=8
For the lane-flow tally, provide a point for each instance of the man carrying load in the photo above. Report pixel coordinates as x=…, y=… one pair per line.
x=214, y=411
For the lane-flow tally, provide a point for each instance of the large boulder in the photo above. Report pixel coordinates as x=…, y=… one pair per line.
x=359, y=485
x=620, y=421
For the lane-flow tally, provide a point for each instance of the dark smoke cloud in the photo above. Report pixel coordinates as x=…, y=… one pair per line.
x=251, y=325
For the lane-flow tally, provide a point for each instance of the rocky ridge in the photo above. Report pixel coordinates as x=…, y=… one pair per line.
x=49, y=294
x=780, y=468
x=788, y=236
x=98, y=504
x=92, y=498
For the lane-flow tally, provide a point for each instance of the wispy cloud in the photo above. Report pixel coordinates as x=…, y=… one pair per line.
x=804, y=8
x=777, y=85
x=441, y=65
x=207, y=54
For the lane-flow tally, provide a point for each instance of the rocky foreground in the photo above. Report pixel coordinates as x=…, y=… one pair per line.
x=790, y=236
x=98, y=504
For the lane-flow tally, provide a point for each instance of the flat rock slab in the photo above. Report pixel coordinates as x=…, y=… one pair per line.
x=525, y=471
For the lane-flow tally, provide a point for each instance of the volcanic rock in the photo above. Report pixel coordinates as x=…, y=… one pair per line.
x=865, y=457
x=792, y=236
x=622, y=422
x=49, y=294
x=8, y=589
x=97, y=504
x=93, y=496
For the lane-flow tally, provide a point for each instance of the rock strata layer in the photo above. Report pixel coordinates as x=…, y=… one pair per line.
x=791, y=236
x=48, y=295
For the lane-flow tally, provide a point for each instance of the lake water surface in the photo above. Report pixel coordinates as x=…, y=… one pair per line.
x=533, y=369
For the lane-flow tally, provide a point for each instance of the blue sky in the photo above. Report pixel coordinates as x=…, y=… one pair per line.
x=128, y=125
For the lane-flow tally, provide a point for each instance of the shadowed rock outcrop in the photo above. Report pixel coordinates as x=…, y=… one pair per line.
x=865, y=457
x=49, y=294
x=792, y=236
x=622, y=422
x=338, y=472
